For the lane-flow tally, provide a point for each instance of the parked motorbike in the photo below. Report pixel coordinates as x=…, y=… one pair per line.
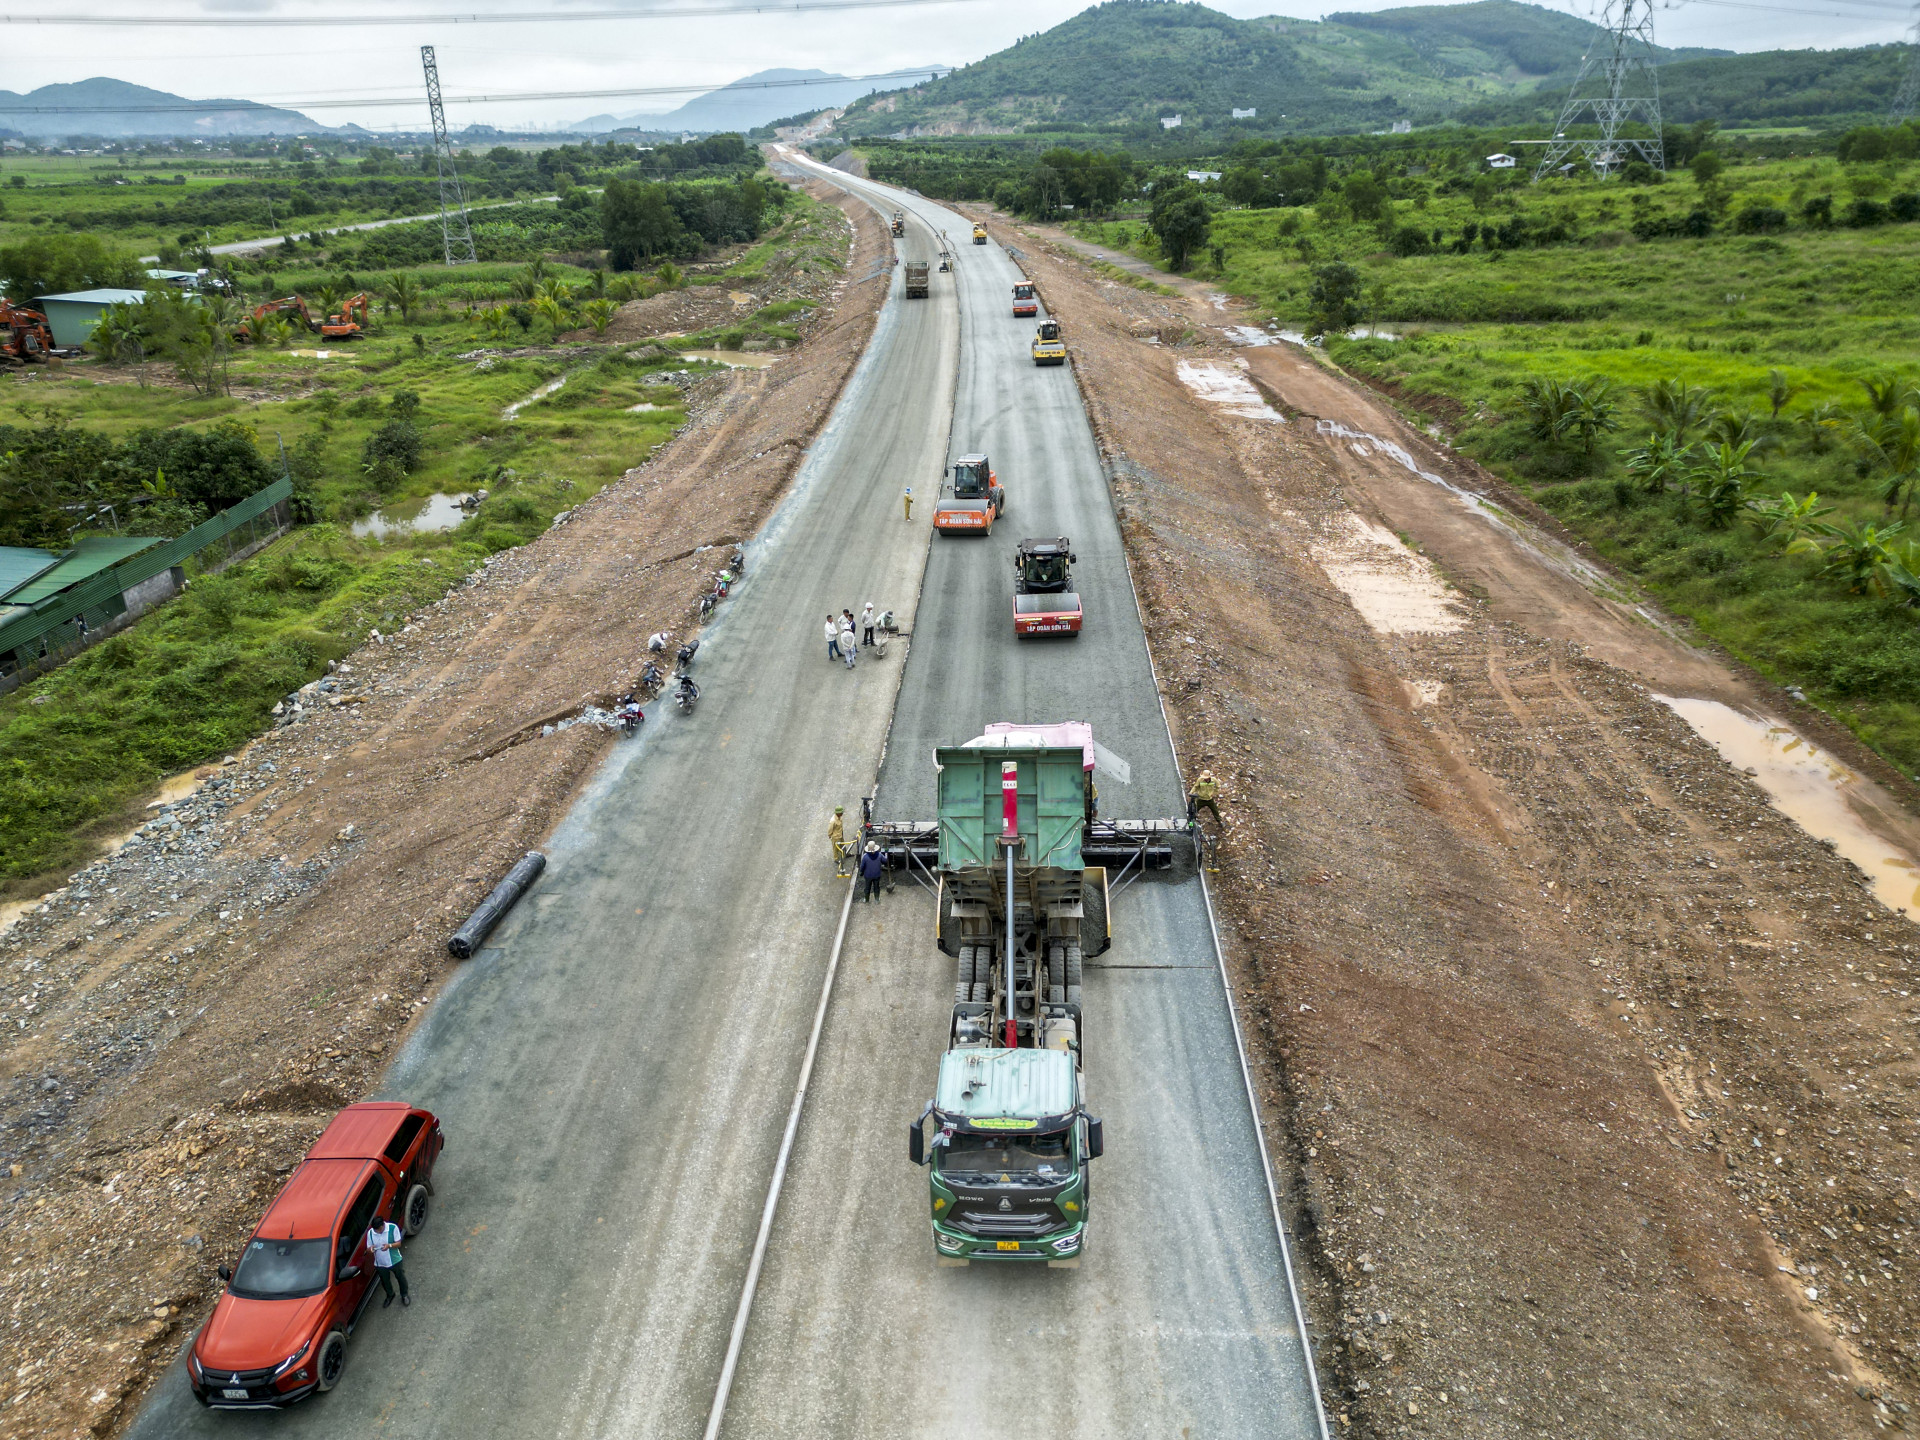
x=630, y=716
x=686, y=653
x=650, y=678
x=686, y=694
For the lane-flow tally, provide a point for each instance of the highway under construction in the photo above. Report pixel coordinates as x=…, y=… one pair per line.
x=635, y=1144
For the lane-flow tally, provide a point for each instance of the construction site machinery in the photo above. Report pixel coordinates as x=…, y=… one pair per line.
x=1042, y=602
x=979, y=234
x=286, y=305
x=1021, y=908
x=25, y=338
x=971, y=501
x=1048, y=347
x=899, y=223
x=343, y=325
x=917, y=281
x=1026, y=304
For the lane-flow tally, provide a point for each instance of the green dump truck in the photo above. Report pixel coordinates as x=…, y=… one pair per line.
x=1007, y=1137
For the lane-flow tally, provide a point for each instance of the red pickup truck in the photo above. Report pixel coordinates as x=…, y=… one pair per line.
x=304, y=1279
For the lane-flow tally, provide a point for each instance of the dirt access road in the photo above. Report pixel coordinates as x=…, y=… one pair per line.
x=187, y=1014
x=1601, y=1070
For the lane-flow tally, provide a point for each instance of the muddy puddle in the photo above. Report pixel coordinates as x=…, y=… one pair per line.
x=1396, y=590
x=1810, y=787
x=436, y=512
x=1229, y=388
x=540, y=394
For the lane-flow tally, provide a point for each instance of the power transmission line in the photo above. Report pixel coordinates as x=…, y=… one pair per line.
x=504, y=17
x=336, y=102
x=1909, y=92
x=1616, y=88
x=455, y=225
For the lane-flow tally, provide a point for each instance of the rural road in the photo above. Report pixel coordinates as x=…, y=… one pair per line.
x=614, y=1070
x=235, y=247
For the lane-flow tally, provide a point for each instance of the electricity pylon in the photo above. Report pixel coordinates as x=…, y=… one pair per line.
x=1616, y=89
x=1909, y=93
x=456, y=235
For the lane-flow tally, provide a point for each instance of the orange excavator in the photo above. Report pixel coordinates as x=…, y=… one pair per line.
x=285, y=305
x=24, y=336
x=343, y=326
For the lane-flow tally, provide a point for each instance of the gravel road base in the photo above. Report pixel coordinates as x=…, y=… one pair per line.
x=191, y=1010
x=1600, y=1072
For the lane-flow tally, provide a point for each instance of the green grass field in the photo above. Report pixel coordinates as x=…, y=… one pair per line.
x=82, y=745
x=1817, y=311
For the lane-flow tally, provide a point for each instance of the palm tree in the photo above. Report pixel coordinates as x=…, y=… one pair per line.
x=1677, y=409
x=526, y=285
x=595, y=287
x=623, y=288
x=1742, y=427
x=328, y=297
x=118, y=338
x=553, y=312
x=1594, y=412
x=1883, y=394
x=402, y=293
x=1780, y=391
x=599, y=314
x=1891, y=443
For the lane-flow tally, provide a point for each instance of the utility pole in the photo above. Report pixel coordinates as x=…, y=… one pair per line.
x=1909, y=93
x=456, y=234
x=1616, y=88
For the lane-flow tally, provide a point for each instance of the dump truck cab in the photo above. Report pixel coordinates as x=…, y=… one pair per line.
x=1007, y=1156
x=1043, y=601
x=1010, y=1137
x=1025, y=303
x=979, y=234
x=1048, y=347
x=972, y=500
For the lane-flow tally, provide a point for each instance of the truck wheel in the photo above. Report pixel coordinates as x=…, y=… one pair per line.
x=1073, y=967
x=331, y=1360
x=1056, y=963
x=1073, y=994
x=963, y=978
x=414, y=1217
x=980, y=989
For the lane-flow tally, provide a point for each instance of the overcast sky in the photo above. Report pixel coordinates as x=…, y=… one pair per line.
x=295, y=65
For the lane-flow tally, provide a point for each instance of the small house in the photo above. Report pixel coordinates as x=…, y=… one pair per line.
x=1499, y=162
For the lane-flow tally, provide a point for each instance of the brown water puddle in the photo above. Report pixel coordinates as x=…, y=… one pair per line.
x=1811, y=788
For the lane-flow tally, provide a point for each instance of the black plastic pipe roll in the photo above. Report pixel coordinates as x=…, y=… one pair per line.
x=470, y=936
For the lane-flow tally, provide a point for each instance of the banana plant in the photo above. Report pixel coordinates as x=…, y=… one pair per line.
x=1787, y=516
x=1856, y=553
x=1720, y=484
x=599, y=314
x=1659, y=463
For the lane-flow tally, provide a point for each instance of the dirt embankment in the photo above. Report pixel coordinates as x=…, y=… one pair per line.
x=1598, y=1073
x=191, y=1010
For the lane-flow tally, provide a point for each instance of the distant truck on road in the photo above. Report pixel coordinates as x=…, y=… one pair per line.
x=979, y=234
x=899, y=223
x=1025, y=303
x=916, y=281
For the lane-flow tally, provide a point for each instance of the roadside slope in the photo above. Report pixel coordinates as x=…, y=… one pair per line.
x=1545, y=985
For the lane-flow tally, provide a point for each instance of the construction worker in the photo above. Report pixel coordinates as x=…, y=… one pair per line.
x=1205, y=795
x=873, y=865
x=837, y=836
x=907, y=500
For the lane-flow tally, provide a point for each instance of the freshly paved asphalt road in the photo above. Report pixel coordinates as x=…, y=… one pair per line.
x=614, y=1070
x=1179, y=1321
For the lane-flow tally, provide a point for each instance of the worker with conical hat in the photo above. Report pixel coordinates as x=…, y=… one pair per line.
x=1205, y=794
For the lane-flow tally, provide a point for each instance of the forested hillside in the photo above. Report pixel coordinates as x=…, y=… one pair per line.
x=1123, y=67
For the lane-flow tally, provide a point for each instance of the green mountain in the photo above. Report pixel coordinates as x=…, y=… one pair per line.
x=1126, y=65
x=115, y=108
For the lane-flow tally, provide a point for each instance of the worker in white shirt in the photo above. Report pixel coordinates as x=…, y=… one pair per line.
x=383, y=1239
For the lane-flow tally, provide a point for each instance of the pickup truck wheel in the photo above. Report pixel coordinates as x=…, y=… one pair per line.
x=415, y=1215
x=331, y=1360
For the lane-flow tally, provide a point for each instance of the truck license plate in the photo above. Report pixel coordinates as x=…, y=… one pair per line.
x=233, y=1394
x=1006, y=1244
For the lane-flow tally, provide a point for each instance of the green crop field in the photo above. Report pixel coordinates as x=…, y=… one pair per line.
x=415, y=409
x=1555, y=330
